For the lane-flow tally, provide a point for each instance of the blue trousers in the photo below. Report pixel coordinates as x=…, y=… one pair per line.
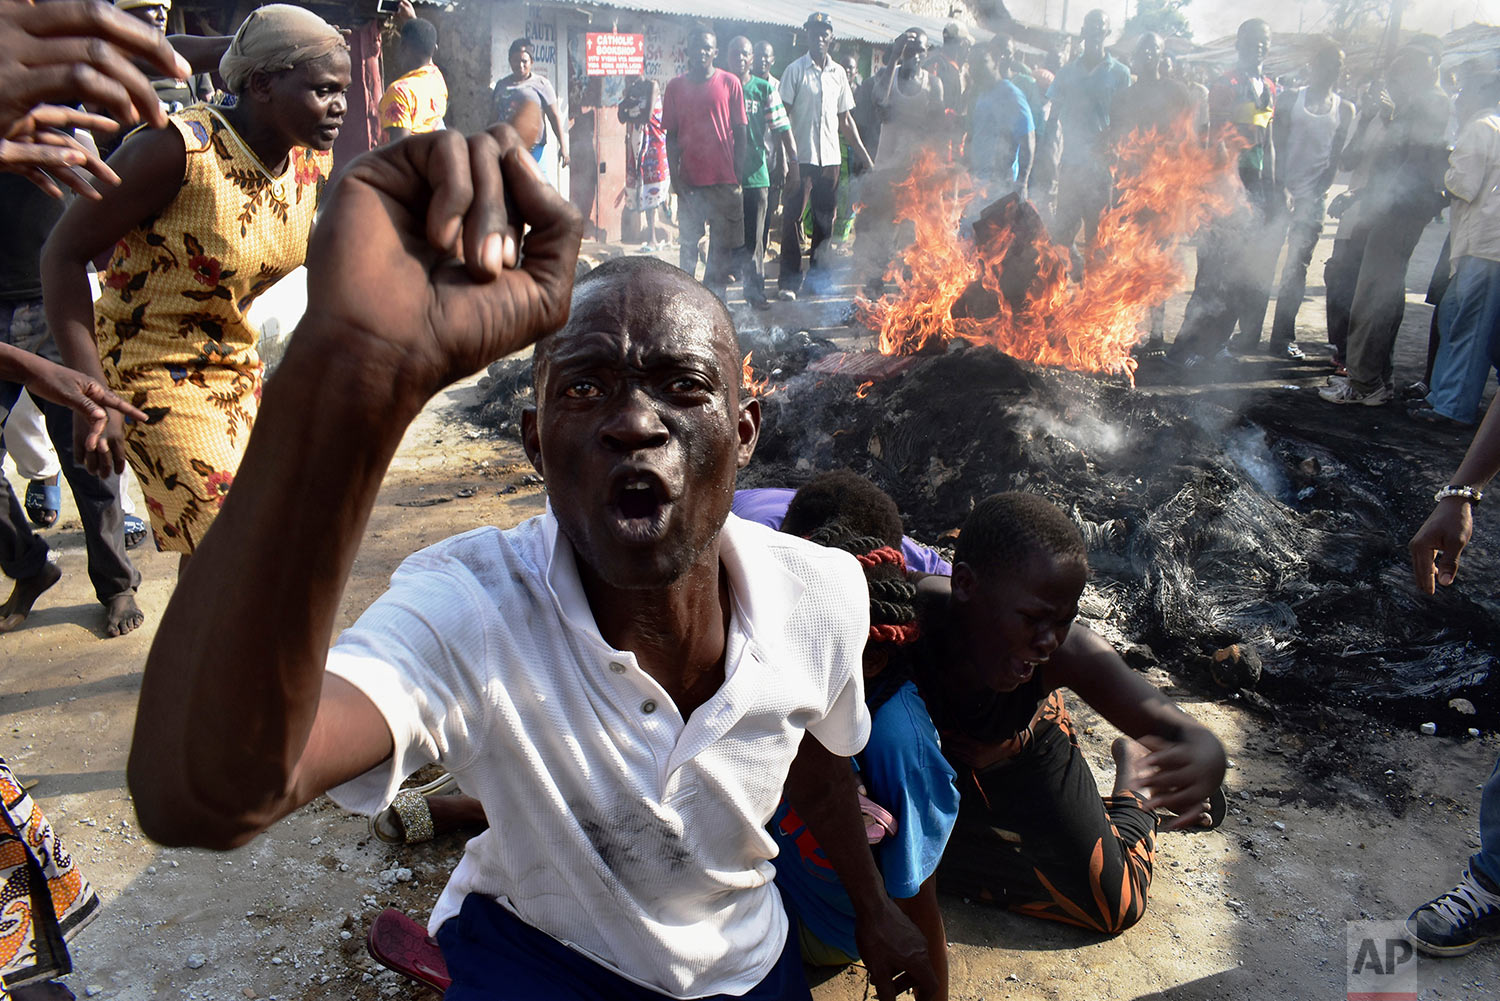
x=1468, y=323
x=492, y=955
x=1487, y=859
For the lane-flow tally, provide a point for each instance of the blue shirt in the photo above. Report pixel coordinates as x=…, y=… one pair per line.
x=903, y=769
x=1000, y=111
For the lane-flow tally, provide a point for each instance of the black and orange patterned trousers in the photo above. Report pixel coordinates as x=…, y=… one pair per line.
x=1034, y=835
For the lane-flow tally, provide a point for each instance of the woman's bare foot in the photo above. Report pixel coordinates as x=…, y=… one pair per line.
x=122, y=615
x=1128, y=755
x=24, y=595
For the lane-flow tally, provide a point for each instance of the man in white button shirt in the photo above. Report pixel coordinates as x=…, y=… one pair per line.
x=815, y=90
x=624, y=681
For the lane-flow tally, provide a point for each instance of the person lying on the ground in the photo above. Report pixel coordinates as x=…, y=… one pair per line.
x=605, y=675
x=998, y=643
x=1457, y=920
x=56, y=55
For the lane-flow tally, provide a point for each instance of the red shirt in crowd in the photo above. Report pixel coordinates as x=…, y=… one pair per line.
x=703, y=114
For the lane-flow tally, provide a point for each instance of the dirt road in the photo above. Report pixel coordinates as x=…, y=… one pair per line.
x=1336, y=818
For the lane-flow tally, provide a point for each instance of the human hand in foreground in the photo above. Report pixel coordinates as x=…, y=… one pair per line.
x=895, y=954
x=67, y=52
x=1437, y=545
x=85, y=397
x=1182, y=773
x=421, y=265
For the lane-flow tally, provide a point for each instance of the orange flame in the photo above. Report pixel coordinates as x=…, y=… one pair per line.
x=1165, y=190
x=752, y=385
x=863, y=389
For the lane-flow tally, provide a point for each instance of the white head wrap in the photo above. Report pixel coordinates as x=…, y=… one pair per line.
x=276, y=37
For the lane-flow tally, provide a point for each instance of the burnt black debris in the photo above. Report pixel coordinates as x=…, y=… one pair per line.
x=1257, y=519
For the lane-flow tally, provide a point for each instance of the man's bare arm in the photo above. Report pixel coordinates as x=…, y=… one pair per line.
x=236, y=725
x=821, y=788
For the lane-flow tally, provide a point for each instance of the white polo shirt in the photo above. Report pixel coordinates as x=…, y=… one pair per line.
x=620, y=830
x=814, y=99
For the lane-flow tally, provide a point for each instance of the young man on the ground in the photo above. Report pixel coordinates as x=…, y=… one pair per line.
x=1455, y=922
x=703, y=111
x=1311, y=127
x=417, y=100
x=1081, y=97
x=1404, y=193
x=767, y=128
x=523, y=86
x=1469, y=314
x=815, y=90
x=1237, y=256
x=625, y=702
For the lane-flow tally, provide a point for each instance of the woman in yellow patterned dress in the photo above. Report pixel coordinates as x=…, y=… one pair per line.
x=210, y=212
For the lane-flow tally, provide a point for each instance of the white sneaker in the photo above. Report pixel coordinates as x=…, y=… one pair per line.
x=1344, y=392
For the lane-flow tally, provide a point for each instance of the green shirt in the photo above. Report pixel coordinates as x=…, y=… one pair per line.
x=767, y=119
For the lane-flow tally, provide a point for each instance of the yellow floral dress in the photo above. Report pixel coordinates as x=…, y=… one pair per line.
x=170, y=325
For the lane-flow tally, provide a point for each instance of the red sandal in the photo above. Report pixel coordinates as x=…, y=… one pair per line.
x=399, y=943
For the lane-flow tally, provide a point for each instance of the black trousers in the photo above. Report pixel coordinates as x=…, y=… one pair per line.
x=1034, y=835
x=22, y=551
x=820, y=188
x=1340, y=276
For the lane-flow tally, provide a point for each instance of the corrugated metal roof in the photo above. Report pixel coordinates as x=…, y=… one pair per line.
x=863, y=21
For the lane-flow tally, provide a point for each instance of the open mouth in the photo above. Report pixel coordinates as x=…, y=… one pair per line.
x=638, y=507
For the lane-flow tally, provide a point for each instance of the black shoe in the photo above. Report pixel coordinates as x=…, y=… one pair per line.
x=1453, y=923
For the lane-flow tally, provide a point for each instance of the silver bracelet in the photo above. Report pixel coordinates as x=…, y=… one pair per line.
x=1471, y=494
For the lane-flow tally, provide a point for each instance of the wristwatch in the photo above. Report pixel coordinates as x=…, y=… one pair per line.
x=1471, y=494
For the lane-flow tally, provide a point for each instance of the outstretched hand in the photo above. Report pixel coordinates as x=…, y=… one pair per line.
x=438, y=254
x=85, y=397
x=63, y=53
x=1439, y=542
x=1182, y=774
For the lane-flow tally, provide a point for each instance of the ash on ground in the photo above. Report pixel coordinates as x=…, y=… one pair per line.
x=1265, y=520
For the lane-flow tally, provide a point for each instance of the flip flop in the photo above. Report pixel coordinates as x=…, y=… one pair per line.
x=135, y=531
x=399, y=943
x=408, y=820
x=43, y=502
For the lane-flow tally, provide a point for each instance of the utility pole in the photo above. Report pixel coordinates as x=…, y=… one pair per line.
x=1064, y=25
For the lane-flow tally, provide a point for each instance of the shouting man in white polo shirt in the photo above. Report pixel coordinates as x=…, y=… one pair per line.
x=624, y=681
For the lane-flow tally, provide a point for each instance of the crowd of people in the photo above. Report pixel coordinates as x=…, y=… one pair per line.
x=719, y=733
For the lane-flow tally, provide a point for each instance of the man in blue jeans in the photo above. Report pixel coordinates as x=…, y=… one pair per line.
x=1456, y=921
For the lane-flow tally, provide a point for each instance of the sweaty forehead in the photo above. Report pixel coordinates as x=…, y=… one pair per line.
x=645, y=318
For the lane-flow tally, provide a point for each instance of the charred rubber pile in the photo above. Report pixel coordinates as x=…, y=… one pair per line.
x=1273, y=543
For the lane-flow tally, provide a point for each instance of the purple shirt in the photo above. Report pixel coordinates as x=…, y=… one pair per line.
x=767, y=506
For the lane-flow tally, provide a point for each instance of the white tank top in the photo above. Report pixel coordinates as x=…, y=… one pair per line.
x=1310, y=146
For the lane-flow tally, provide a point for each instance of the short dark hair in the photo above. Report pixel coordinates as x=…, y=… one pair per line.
x=520, y=44
x=633, y=267
x=1005, y=530
x=420, y=35
x=844, y=495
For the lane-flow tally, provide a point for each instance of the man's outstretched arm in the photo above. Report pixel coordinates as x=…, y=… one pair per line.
x=1441, y=539
x=236, y=725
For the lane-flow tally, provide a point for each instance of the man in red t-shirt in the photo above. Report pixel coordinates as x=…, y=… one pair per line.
x=703, y=112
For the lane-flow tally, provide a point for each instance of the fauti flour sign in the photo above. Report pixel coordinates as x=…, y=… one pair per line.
x=608, y=53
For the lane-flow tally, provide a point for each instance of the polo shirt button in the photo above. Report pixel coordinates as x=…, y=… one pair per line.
x=617, y=667
x=649, y=706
